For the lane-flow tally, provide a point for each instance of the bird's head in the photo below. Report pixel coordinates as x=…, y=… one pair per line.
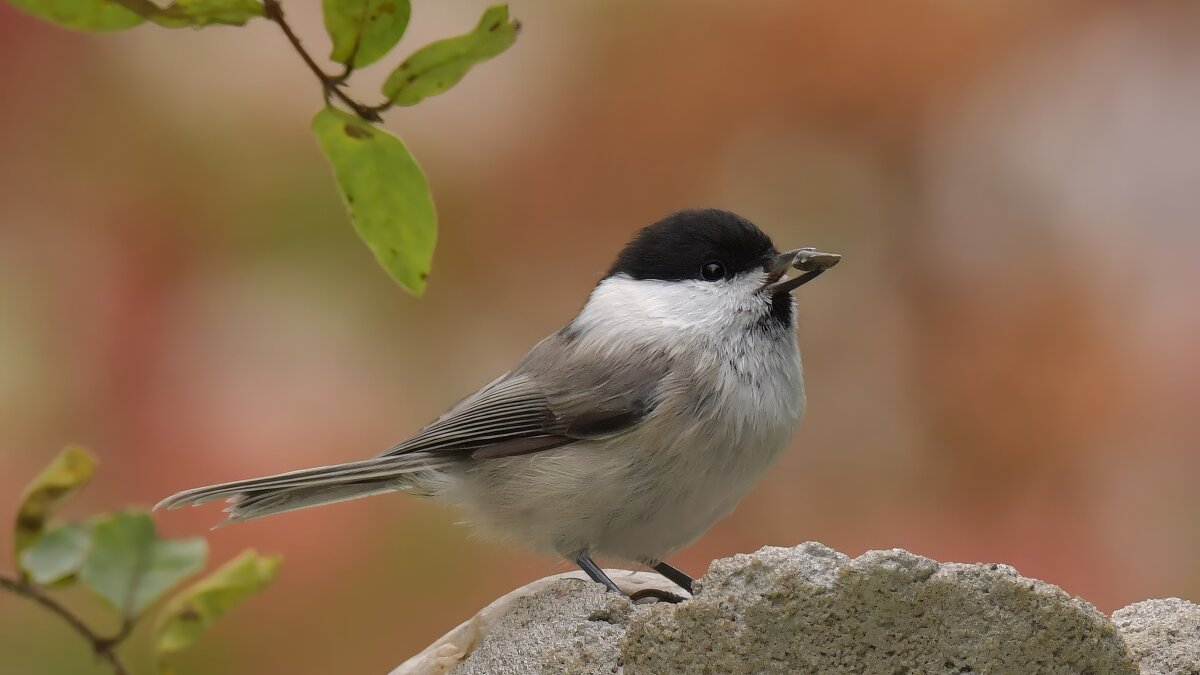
x=705, y=268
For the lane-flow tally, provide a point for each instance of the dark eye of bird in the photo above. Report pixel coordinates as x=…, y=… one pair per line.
x=712, y=271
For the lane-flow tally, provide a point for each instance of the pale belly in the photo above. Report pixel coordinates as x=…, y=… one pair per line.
x=639, y=497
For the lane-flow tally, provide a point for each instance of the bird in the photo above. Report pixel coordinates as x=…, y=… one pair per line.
x=627, y=433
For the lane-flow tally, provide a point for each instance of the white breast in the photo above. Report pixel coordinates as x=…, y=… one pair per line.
x=647, y=493
x=685, y=482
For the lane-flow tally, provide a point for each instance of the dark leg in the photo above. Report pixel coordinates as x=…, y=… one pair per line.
x=593, y=570
x=675, y=576
x=657, y=594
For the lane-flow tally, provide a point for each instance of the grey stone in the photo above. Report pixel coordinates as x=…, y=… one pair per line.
x=565, y=623
x=810, y=609
x=572, y=626
x=1163, y=634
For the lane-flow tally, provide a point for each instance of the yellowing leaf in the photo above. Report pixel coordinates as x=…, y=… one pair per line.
x=94, y=15
x=385, y=192
x=440, y=65
x=364, y=30
x=57, y=556
x=190, y=613
x=70, y=470
x=131, y=567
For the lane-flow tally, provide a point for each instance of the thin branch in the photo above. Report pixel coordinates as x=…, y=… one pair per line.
x=123, y=632
x=330, y=83
x=382, y=107
x=104, y=647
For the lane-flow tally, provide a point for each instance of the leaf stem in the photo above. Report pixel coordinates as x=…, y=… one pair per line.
x=330, y=83
x=341, y=77
x=104, y=647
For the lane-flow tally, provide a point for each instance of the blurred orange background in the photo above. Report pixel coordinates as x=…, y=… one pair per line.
x=1005, y=367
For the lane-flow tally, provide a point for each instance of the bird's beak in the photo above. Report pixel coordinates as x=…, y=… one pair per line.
x=810, y=261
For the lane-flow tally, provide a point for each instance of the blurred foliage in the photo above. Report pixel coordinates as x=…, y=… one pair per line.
x=57, y=556
x=402, y=229
x=122, y=559
x=130, y=566
x=70, y=470
x=193, y=611
x=120, y=556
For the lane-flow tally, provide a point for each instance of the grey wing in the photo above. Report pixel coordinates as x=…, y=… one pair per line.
x=544, y=403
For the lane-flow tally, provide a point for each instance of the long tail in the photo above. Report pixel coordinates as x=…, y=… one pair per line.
x=259, y=497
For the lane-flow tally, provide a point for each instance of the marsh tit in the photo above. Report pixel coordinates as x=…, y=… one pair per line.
x=628, y=432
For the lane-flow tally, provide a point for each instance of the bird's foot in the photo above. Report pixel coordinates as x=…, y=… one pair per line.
x=656, y=594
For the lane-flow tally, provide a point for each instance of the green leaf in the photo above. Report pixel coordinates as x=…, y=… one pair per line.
x=438, y=66
x=57, y=556
x=131, y=567
x=94, y=15
x=70, y=470
x=385, y=192
x=192, y=13
x=364, y=30
x=190, y=613
x=105, y=15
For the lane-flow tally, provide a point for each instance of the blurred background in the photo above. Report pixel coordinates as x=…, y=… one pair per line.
x=1006, y=366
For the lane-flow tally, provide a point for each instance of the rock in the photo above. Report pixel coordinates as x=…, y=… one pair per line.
x=1163, y=634
x=810, y=609
x=565, y=618
x=577, y=631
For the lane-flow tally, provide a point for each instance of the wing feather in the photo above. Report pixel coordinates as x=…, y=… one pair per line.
x=556, y=395
x=509, y=408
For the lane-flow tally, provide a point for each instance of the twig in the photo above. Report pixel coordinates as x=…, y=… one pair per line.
x=330, y=83
x=104, y=647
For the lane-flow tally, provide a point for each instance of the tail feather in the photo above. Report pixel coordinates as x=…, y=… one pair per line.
x=258, y=497
x=293, y=499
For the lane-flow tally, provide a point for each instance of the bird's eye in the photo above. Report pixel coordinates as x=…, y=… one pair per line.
x=712, y=271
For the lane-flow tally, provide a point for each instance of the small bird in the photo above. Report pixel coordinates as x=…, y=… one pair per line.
x=628, y=432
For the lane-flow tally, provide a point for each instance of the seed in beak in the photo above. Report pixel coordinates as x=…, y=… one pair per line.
x=808, y=260
x=812, y=260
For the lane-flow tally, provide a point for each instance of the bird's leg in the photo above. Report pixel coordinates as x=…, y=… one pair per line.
x=593, y=570
x=674, y=575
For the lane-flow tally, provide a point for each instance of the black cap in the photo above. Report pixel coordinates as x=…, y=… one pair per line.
x=681, y=245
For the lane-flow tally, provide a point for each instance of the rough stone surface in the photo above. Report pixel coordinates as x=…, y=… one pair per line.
x=1163, y=634
x=571, y=626
x=567, y=624
x=810, y=609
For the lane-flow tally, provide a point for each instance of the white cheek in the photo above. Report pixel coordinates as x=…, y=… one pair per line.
x=662, y=309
